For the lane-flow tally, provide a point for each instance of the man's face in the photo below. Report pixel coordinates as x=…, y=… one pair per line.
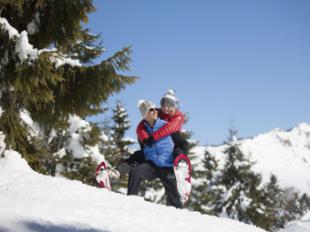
x=152, y=114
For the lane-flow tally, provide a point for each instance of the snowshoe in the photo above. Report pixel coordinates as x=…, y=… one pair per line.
x=102, y=176
x=182, y=170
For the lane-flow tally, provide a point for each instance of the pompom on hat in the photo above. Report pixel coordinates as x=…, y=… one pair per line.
x=169, y=99
x=144, y=106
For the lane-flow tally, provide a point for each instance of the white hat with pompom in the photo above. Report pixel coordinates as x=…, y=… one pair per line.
x=144, y=106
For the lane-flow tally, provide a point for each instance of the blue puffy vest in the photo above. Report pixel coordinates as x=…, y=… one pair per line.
x=160, y=153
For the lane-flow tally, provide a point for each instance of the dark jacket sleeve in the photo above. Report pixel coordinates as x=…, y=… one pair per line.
x=180, y=143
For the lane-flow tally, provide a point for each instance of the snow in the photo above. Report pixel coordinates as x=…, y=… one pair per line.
x=2, y=144
x=77, y=128
x=33, y=127
x=25, y=50
x=285, y=154
x=302, y=225
x=61, y=60
x=7, y=27
x=34, y=202
x=76, y=123
x=33, y=26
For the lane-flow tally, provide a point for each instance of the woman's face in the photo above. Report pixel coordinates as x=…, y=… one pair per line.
x=166, y=108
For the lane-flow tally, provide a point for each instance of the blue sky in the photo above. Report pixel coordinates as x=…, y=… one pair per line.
x=241, y=62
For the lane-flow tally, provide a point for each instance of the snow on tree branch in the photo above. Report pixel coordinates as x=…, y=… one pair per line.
x=25, y=50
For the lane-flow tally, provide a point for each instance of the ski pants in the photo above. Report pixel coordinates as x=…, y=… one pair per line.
x=148, y=171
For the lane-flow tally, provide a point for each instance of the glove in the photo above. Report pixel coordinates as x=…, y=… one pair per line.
x=149, y=141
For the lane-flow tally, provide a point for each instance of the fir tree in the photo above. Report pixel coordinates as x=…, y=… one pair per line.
x=292, y=209
x=79, y=169
x=119, y=145
x=206, y=191
x=304, y=202
x=241, y=196
x=76, y=152
x=118, y=130
x=273, y=213
x=47, y=70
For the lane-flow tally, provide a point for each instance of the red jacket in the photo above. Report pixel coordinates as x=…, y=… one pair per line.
x=174, y=124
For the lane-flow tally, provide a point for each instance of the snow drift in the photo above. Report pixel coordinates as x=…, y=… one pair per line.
x=34, y=202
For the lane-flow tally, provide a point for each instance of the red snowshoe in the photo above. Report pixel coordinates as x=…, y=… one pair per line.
x=182, y=170
x=102, y=176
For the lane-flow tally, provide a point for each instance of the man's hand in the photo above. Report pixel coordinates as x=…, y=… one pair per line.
x=149, y=141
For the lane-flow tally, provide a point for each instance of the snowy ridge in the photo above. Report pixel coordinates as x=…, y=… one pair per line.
x=285, y=154
x=302, y=225
x=34, y=202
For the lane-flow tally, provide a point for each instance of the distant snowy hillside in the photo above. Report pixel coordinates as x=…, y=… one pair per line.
x=302, y=225
x=34, y=202
x=283, y=153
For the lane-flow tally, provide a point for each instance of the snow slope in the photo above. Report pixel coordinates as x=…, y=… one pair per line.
x=33, y=202
x=286, y=154
x=302, y=225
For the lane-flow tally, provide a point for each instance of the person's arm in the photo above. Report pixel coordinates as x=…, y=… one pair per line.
x=172, y=126
x=141, y=131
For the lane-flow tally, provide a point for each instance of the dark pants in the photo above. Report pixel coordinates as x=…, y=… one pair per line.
x=148, y=171
x=125, y=166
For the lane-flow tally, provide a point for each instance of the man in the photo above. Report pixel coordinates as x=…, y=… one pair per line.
x=158, y=157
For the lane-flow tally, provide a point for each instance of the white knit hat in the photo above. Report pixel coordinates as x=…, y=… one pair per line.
x=169, y=99
x=144, y=106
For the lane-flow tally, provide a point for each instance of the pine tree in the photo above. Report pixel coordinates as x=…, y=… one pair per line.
x=47, y=70
x=273, y=212
x=241, y=196
x=79, y=169
x=206, y=191
x=76, y=151
x=121, y=125
x=304, y=202
x=119, y=149
x=292, y=208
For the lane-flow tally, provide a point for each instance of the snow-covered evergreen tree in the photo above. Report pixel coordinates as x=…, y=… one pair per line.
x=46, y=69
x=118, y=130
x=241, y=184
x=272, y=218
x=78, y=152
x=206, y=191
x=117, y=147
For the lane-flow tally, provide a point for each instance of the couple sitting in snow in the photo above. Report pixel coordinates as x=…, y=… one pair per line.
x=163, y=148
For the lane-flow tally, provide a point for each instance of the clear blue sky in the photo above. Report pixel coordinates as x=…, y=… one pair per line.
x=246, y=61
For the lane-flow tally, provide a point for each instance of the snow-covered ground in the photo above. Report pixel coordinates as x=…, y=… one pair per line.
x=302, y=225
x=33, y=202
x=285, y=154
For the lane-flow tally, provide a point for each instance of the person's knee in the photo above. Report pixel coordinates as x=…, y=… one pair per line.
x=137, y=173
x=124, y=168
